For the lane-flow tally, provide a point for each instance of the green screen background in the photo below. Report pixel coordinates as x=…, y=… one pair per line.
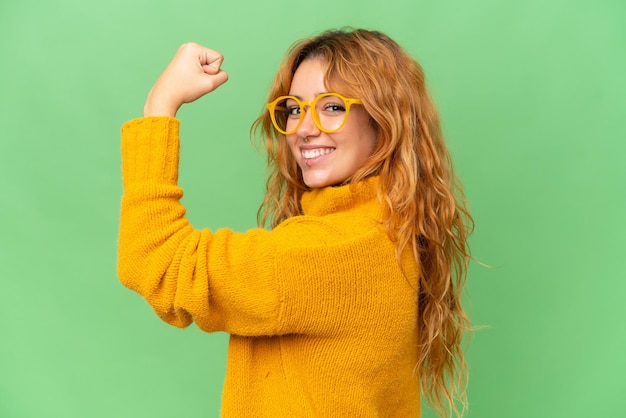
x=532, y=96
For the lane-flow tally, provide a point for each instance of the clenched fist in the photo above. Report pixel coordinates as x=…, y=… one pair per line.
x=193, y=72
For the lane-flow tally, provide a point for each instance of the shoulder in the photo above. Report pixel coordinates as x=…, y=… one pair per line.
x=336, y=229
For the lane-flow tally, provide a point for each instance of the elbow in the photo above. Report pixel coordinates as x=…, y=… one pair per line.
x=160, y=303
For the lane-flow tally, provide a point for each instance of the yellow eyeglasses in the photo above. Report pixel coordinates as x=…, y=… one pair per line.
x=329, y=110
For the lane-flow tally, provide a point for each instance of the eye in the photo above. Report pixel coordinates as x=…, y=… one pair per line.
x=331, y=105
x=334, y=107
x=293, y=111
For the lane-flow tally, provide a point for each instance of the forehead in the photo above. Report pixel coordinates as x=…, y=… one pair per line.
x=311, y=78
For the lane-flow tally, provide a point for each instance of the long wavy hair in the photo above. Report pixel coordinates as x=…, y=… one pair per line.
x=424, y=207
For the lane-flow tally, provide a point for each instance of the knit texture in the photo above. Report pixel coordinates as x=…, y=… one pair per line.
x=323, y=321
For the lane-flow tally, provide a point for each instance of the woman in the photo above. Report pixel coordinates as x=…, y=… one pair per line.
x=350, y=304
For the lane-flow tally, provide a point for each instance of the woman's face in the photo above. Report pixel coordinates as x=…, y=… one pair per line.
x=327, y=159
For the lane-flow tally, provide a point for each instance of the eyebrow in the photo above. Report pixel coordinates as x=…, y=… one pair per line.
x=300, y=97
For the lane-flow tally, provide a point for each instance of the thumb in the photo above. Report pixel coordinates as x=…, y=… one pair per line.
x=211, y=62
x=210, y=81
x=211, y=69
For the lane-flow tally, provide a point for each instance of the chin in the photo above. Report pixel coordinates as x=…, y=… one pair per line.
x=317, y=182
x=314, y=184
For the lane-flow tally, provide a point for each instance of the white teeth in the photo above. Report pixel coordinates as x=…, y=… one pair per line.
x=312, y=153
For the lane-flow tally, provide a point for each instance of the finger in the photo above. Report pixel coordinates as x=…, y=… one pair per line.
x=211, y=61
x=208, y=69
x=210, y=82
x=220, y=78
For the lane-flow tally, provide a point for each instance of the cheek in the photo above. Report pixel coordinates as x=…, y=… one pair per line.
x=292, y=150
x=372, y=135
x=362, y=128
x=367, y=139
x=367, y=148
x=292, y=143
x=373, y=142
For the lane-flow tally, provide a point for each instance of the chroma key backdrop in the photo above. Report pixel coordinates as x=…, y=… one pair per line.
x=532, y=99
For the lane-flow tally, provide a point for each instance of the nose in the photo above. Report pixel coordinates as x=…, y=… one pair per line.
x=308, y=128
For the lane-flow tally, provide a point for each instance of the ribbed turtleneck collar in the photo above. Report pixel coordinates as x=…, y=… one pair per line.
x=328, y=200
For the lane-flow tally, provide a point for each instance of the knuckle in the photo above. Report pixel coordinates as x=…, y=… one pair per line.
x=188, y=45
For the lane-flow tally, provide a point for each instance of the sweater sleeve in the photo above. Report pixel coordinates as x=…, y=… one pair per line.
x=315, y=275
x=222, y=280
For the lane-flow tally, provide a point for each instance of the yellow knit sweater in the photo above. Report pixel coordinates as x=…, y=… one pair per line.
x=321, y=316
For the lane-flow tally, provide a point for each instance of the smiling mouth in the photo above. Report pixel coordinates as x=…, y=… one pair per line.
x=309, y=154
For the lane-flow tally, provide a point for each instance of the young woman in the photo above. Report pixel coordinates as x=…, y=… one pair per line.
x=350, y=304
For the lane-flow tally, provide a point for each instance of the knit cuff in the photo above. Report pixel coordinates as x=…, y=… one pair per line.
x=150, y=150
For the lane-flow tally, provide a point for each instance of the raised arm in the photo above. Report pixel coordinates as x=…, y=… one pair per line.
x=222, y=280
